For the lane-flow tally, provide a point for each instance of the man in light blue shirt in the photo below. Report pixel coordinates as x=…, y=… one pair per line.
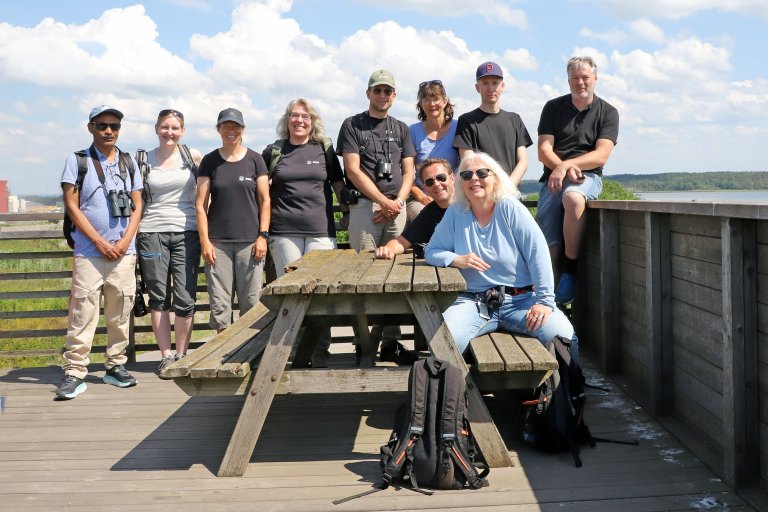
x=105, y=208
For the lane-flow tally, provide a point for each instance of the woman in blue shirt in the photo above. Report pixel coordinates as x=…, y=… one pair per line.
x=432, y=137
x=492, y=238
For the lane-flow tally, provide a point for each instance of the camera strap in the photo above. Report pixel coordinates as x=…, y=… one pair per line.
x=97, y=166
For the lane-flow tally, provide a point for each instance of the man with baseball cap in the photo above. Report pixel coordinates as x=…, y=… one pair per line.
x=104, y=205
x=378, y=156
x=492, y=130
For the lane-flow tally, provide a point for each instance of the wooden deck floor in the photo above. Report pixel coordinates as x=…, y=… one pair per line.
x=152, y=448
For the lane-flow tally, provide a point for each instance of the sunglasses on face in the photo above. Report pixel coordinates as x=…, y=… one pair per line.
x=171, y=112
x=481, y=173
x=295, y=116
x=442, y=178
x=386, y=91
x=430, y=82
x=115, y=127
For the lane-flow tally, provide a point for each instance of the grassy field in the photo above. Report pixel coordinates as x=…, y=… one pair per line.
x=58, y=321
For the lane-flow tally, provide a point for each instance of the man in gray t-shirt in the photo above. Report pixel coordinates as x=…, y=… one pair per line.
x=105, y=209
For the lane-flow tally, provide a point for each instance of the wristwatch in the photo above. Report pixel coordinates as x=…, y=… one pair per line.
x=402, y=202
x=264, y=234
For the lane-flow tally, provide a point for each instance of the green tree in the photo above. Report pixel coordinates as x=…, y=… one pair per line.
x=613, y=190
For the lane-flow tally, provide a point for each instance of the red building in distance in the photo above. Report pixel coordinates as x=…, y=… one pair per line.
x=4, y=194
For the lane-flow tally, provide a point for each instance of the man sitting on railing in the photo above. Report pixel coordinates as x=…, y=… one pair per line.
x=104, y=205
x=439, y=182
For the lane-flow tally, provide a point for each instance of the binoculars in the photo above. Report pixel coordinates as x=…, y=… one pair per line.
x=120, y=204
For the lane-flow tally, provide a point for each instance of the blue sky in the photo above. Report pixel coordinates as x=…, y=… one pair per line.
x=686, y=75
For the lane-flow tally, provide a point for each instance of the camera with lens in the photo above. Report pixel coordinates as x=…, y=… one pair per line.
x=349, y=196
x=384, y=171
x=494, y=297
x=120, y=204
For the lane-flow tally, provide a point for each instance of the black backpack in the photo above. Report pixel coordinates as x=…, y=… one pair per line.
x=125, y=164
x=554, y=418
x=431, y=444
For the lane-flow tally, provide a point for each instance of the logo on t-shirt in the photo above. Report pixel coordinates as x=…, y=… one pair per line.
x=245, y=178
x=315, y=162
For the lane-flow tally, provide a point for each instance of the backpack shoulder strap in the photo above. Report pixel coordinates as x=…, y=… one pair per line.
x=142, y=160
x=125, y=164
x=277, y=151
x=82, y=170
x=186, y=157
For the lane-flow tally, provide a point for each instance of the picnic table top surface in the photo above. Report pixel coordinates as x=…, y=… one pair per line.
x=345, y=271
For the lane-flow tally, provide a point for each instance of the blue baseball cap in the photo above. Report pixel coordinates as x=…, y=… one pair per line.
x=104, y=109
x=488, y=69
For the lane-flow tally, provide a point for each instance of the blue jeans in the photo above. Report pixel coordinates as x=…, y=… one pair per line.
x=464, y=321
x=550, y=211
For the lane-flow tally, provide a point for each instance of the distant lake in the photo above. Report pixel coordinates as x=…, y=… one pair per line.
x=717, y=196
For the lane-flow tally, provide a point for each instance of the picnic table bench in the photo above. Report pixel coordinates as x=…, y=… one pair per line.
x=253, y=356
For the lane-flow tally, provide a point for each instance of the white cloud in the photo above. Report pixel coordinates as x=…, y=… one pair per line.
x=612, y=37
x=647, y=30
x=495, y=12
x=677, y=9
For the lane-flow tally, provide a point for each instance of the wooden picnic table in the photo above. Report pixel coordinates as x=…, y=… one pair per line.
x=325, y=286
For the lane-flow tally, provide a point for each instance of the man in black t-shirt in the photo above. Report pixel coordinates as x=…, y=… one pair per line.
x=378, y=162
x=577, y=133
x=439, y=182
x=492, y=130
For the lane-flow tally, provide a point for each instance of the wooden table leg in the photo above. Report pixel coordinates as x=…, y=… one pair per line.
x=367, y=349
x=430, y=319
x=264, y=384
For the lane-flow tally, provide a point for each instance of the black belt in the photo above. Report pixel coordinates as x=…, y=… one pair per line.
x=513, y=290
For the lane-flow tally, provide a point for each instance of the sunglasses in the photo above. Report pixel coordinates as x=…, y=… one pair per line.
x=430, y=82
x=386, y=91
x=171, y=112
x=481, y=173
x=442, y=178
x=115, y=127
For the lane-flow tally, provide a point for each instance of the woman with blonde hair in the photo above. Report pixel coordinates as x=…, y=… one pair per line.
x=493, y=239
x=167, y=242
x=304, y=171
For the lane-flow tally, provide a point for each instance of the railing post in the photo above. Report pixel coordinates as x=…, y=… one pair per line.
x=740, y=368
x=610, y=297
x=658, y=308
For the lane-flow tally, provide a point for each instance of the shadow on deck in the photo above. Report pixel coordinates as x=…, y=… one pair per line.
x=153, y=448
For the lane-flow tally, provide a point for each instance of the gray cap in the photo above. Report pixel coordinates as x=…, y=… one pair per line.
x=104, y=109
x=381, y=77
x=231, y=114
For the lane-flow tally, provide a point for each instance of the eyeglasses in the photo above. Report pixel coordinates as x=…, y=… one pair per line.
x=442, y=178
x=429, y=82
x=481, y=173
x=295, y=116
x=115, y=127
x=383, y=90
x=171, y=112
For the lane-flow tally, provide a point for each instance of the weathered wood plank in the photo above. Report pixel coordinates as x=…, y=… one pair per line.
x=451, y=279
x=263, y=387
x=540, y=357
x=696, y=247
x=347, y=281
x=328, y=275
x=302, y=274
x=425, y=277
x=374, y=278
x=487, y=358
x=401, y=275
x=708, y=226
x=515, y=358
x=227, y=341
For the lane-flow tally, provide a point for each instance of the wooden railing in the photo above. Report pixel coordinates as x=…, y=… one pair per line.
x=673, y=301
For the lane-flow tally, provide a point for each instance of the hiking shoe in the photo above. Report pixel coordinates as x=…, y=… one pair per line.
x=565, y=289
x=165, y=362
x=118, y=376
x=395, y=352
x=70, y=388
x=179, y=356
